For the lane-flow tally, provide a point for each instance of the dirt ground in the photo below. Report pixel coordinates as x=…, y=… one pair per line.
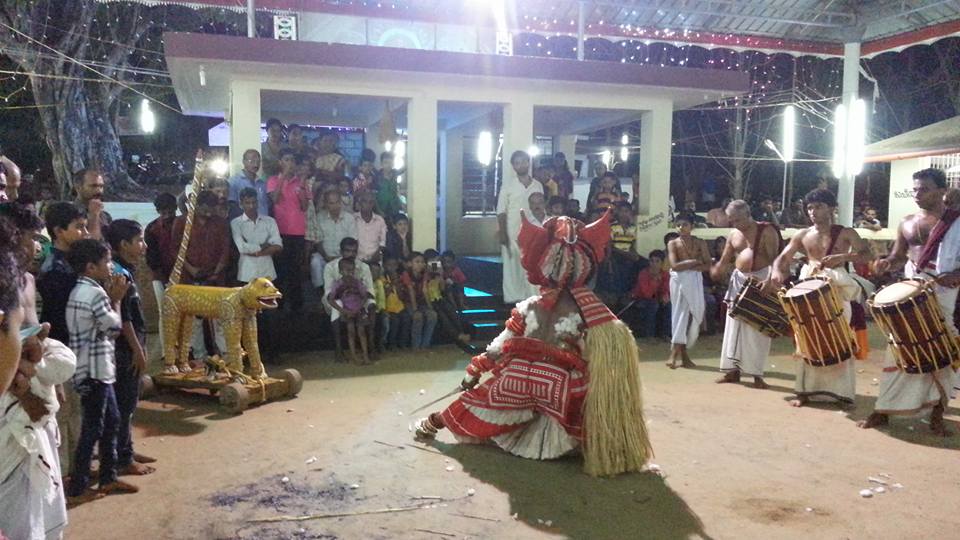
x=734, y=463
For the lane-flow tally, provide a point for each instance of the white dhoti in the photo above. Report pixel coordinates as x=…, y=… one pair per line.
x=32, y=503
x=515, y=284
x=906, y=393
x=687, y=306
x=744, y=347
x=839, y=380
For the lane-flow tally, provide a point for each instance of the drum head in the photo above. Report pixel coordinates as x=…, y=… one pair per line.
x=897, y=292
x=806, y=286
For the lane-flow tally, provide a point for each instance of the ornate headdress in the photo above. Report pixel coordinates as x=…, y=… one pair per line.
x=563, y=252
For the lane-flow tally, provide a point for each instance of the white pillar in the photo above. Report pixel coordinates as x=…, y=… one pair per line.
x=517, y=131
x=656, y=132
x=422, y=171
x=443, y=155
x=851, y=87
x=244, y=122
x=251, y=19
x=581, y=26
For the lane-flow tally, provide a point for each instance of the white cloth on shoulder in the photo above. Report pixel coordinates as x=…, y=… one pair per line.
x=744, y=347
x=687, y=306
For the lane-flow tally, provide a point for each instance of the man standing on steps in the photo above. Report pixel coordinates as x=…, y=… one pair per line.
x=750, y=249
x=515, y=196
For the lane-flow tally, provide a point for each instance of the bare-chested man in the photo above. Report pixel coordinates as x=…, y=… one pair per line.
x=689, y=257
x=749, y=250
x=829, y=249
x=901, y=392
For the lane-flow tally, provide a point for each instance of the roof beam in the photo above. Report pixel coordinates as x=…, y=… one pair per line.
x=736, y=8
x=900, y=8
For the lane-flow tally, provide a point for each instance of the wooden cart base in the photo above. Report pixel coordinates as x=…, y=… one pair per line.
x=235, y=397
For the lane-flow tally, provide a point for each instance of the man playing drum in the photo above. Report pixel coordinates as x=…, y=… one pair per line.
x=749, y=250
x=927, y=245
x=829, y=249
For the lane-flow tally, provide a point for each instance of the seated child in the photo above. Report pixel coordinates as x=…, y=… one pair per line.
x=394, y=324
x=423, y=319
x=447, y=317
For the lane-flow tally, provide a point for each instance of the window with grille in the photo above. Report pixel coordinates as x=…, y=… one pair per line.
x=950, y=164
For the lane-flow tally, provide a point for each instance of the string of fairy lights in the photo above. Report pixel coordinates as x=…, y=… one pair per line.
x=812, y=82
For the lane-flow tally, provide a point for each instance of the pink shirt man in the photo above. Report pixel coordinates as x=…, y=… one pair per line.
x=290, y=217
x=371, y=235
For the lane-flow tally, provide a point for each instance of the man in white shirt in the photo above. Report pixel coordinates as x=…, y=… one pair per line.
x=326, y=228
x=257, y=238
x=371, y=229
x=515, y=196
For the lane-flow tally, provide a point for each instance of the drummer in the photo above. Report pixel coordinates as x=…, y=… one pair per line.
x=829, y=248
x=927, y=245
x=749, y=250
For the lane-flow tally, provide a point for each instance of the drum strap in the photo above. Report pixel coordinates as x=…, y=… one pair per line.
x=932, y=245
x=835, y=231
x=762, y=226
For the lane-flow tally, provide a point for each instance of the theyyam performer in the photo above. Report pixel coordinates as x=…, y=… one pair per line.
x=928, y=247
x=751, y=247
x=564, y=372
x=829, y=248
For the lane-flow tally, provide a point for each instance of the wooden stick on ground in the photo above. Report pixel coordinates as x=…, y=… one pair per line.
x=425, y=449
x=436, y=532
x=390, y=445
x=342, y=514
x=475, y=517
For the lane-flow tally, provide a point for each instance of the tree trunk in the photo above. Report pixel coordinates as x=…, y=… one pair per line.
x=80, y=133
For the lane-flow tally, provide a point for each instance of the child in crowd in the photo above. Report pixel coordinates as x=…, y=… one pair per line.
x=651, y=296
x=447, y=317
x=364, y=178
x=66, y=225
x=346, y=194
x=454, y=279
x=388, y=197
x=399, y=239
x=394, y=324
x=126, y=240
x=93, y=319
x=556, y=206
x=348, y=295
x=423, y=319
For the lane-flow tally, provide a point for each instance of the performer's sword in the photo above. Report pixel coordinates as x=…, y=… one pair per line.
x=453, y=392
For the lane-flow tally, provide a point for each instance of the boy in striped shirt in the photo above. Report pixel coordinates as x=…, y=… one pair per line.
x=93, y=318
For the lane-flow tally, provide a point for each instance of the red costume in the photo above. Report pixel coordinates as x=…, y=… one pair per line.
x=564, y=372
